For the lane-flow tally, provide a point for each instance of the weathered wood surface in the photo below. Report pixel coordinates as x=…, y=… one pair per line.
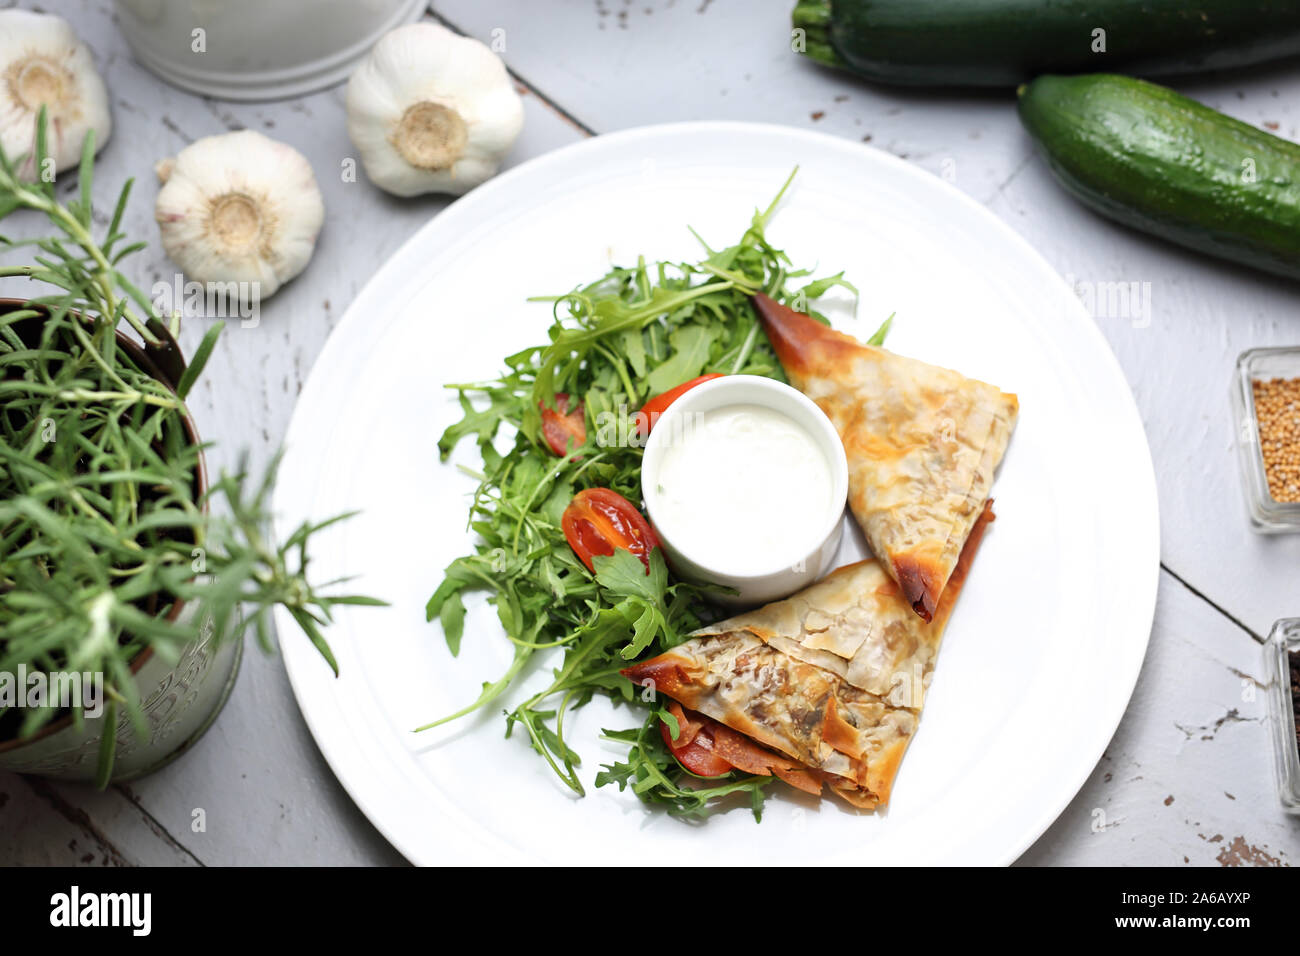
x=1187, y=778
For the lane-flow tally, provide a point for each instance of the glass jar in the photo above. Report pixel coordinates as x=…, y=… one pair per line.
x=1283, y=641
x=1267, y=515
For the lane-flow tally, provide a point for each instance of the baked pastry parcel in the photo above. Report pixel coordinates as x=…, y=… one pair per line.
x=922, y=444
x=828, y=685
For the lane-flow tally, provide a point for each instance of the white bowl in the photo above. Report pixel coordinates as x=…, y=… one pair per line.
x=255, y=49
x=808, y=556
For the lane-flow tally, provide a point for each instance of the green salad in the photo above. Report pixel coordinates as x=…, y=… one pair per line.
x=632, y=335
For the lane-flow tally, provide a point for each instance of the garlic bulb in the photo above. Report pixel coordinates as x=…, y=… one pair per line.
x=431, y=111
x=43, y=63
x=239, y=207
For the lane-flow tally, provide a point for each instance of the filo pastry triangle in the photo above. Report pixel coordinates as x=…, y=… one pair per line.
x=824, y=688
x=922, y=444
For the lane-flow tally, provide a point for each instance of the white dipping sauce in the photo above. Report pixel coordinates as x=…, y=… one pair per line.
x=742, y=488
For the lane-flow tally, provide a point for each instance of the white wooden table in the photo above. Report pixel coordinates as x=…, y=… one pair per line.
x=1187, y=777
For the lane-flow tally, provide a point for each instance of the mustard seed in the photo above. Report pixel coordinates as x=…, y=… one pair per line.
x=1277, y=410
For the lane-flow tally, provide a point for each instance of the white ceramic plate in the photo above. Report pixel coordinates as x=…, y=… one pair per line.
x=1045, y=645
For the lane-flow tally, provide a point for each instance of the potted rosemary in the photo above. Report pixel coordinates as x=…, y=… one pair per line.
x=126, y=582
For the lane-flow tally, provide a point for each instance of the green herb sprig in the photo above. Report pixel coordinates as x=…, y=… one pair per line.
x=632, y=334
x=103, y=531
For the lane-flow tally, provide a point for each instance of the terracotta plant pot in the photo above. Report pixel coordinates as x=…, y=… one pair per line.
x=179, y=701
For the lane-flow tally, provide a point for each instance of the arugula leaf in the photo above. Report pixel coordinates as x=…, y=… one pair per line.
x=622, y=573
x=482, y=422
x=819, y=287
x=654, y=775
x=452, y=616
x=878, y=337
x=691, y=345
x=645, y=594
x=674, y=725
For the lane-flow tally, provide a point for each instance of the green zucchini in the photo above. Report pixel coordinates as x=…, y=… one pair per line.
x=1155, y=160
x=1006, y=42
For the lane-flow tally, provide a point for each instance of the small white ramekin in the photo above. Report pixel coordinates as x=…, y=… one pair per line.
x=809, y=555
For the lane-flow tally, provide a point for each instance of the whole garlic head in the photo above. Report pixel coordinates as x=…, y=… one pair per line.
x=42, y=62
x=239, y=207
x=431, y=111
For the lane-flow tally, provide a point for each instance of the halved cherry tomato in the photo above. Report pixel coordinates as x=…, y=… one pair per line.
x=710, y=748
x=652, y=409
x=693, y=746
x=599, y=520
x=561, y=423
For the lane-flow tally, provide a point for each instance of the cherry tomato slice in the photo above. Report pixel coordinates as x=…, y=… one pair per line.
x=652, y=409
x=561, y=423
x=599, y=520
x=695, y=755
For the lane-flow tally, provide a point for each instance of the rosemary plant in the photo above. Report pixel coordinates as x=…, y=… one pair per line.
x=104, y=532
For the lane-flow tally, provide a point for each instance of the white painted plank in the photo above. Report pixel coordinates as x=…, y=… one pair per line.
x=34, y=832
x=48, y=823
x=616, y=65
x=1187, y=778
x=122, y=821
